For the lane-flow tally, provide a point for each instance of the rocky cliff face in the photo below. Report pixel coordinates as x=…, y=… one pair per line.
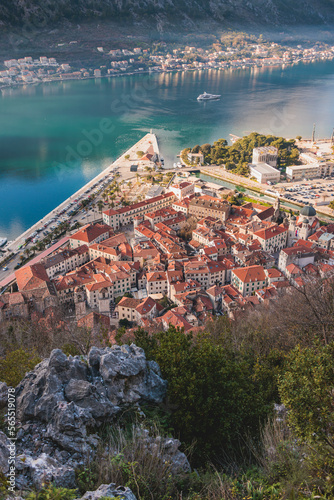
x=262, y=12
x=64, y=400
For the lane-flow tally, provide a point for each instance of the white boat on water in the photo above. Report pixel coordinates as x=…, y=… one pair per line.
x=208, y=97
x=3, y=241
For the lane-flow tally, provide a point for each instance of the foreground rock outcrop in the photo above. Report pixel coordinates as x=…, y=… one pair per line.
x=62, y=403
x=64, y=400
x=88, y=388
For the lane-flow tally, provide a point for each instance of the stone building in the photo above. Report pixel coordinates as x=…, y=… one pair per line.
x=204, y=207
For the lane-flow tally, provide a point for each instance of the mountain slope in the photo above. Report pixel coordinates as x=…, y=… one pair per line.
x=38, y=13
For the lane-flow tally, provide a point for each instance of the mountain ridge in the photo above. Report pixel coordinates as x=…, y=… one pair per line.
x=36, y=13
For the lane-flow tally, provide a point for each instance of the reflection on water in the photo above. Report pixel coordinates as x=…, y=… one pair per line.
x=39, y=124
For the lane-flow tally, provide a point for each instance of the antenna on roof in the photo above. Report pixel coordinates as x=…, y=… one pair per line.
x=332, y=138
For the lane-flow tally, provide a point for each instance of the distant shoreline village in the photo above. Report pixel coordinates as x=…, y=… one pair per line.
x=29, y=71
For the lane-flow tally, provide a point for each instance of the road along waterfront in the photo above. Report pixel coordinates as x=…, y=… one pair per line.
x=121, y=165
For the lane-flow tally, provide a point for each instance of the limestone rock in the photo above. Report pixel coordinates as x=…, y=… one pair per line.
x=68, y=427
x=3, y=395
x=178, y=460
x=4, y=452
x=45, y=469
x=106, y=379
x=109, y=490
x=167, y=449
x=64, y=397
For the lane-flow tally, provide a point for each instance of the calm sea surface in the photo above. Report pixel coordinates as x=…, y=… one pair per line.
x=56, y=136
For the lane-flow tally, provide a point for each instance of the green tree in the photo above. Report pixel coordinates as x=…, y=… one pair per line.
x=306, y=389
x=100, y=205
x=27, y=252
x=211, y=390
x=124, y=323
x=16, y=364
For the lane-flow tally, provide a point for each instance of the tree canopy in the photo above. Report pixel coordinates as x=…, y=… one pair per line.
x=306, y=388
x=212, y=391
x=238, y=155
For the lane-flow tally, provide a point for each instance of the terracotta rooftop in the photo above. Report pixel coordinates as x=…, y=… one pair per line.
x=146, y=306
x=115, y=241
x=215, y=291
x=128, y=302
x=270, y=232
x=156, y=276
x=293, y=269
x=90, y=232
x=274, y=273
x=265, y=214
x=175, y=319
x=143, y=204
x=31, y=277
x=296, y=250
x=250, y=274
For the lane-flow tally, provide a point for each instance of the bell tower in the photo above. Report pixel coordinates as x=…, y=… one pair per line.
x=80, y=303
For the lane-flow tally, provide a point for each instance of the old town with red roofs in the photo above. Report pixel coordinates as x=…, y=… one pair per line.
x=135, y=265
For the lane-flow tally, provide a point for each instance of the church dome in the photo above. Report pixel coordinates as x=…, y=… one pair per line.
x=308, y=211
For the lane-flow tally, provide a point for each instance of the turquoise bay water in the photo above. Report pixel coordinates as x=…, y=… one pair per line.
x=55, y=137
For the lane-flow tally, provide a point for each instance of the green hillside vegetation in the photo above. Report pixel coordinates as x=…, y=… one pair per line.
x=238, y=155
x=222, y=387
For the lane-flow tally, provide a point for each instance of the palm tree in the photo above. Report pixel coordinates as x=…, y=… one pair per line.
x=27, y=252
x=40, y=245
x=100, y=205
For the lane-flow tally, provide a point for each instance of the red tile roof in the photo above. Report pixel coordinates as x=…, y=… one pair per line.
x=274, y=273
x=146, y=306
x=293, y=269
x=296, y=250
x=175, y=319
x=31, y=277
x=90, y=232
x=156, y=276
x=270, y=232
x=250, y=274
x=128, y=302
x=145, y=203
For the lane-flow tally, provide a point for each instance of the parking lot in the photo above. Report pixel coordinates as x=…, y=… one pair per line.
x=313, y=192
